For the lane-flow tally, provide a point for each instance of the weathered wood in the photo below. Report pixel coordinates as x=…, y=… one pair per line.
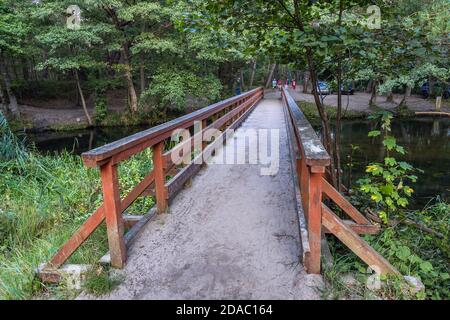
x=130, y=220
x=343, y=203
x=221, y=123
x=314, y=223
x=351, y=239
x=93, y=222
x=303, y=229
x=179, y=180
x=77, y=239
x=360, y=228
x=130, y=236
x=160, y=177
x=311, y=146
x=113, y=214
x=92, y=157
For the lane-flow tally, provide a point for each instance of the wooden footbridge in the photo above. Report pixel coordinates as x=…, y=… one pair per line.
x=306, y=187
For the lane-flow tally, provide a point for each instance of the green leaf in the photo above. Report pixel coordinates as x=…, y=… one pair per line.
x=405, y=165
x=374, y=133
x=390, y=161
x=389, y=142
x=426, y=266
x=403, y=253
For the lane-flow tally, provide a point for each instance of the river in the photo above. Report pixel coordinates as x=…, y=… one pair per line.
x=426, y=140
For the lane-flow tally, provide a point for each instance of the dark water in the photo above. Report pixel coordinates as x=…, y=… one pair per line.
x=426, y=140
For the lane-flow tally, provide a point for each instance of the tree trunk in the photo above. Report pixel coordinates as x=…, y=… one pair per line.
x=13, y=106
x=242, y=80
x=2, y=100
x=305, y=82
x=269, y=77
x=369, y=86
x=390, y=97
x=373, y=97
x=337, y=138
x=129, y=80
x=83, y=102
x=323, y=115
x=142, y=72
x=252, y=74
x=405, y=96
x=431, y=82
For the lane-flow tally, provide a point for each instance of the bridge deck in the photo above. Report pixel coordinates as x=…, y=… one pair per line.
x=232, y=234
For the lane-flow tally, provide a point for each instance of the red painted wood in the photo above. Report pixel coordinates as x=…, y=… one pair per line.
x=113, y=215
x=314, y=223
x=160, y=177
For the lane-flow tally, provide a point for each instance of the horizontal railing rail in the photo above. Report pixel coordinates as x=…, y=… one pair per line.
x=223, y=115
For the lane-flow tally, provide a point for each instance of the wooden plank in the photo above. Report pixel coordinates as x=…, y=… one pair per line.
x=311, y=146
x=314, y=223
x=137, y=191
x=92, y=157
x=343, y=203
x=303, y=229
x=351, y=239
x=178, y=181
x=360, y=228
x=113, y=214
x=130, y=220
x=91, y=224
x=131, y=235
x=77, y=239
x=160, y=177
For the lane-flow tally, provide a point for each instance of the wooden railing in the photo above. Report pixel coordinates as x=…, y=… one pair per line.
x=227, y=114
x=309, y=162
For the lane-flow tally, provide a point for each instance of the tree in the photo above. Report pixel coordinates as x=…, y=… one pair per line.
x=13, y=33
x=70, y=50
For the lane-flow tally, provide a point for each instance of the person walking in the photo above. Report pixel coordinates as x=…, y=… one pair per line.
x=274, y=83
x=294, y=84
x=280, y=84
x=286, y=84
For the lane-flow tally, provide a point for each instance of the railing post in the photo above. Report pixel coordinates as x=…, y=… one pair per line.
x=314, y=218
x=160, y=177
x=113, y=214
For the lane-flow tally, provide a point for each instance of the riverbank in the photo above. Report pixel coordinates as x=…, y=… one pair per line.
x=359, y=102
x=44, y=199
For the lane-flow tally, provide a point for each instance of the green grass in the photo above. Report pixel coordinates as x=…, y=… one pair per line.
x=408, y=249
x=43, y=200
x=99, y=281
x=310, y=111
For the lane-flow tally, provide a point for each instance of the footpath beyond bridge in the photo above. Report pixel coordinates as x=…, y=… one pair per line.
x=231, y=232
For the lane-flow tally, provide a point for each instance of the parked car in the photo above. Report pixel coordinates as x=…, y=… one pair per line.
x=426, y=90
x=323, y=88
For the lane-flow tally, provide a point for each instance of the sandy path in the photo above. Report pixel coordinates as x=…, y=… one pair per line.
x=360, y=101
x=232, y=234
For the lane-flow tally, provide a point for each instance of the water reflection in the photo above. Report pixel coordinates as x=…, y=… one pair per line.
x=427, y=142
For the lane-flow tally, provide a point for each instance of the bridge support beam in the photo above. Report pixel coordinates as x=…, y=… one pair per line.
x=314, y=204
x=113, y=214
x=160, y=177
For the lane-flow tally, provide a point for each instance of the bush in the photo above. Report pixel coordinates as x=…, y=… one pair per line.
x=100, y=109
